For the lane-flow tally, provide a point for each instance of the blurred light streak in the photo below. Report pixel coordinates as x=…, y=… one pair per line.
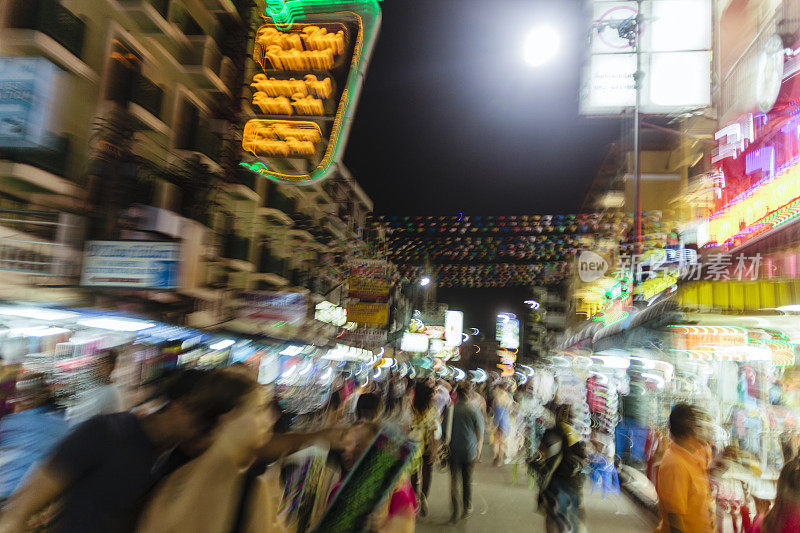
x=221, y=345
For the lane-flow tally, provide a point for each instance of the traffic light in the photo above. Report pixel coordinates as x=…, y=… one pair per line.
x=311, y=57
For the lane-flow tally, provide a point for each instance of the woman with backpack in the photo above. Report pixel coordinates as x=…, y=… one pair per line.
x=563, y=455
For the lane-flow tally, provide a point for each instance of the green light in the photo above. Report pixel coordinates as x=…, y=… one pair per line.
x=284, y=12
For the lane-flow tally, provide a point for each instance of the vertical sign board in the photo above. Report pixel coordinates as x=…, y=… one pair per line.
x=507, y=333
x=369, y=280
x=131, y=264
x=453, y=327
x=311, y=56
x=26, y=90
x=675, y=51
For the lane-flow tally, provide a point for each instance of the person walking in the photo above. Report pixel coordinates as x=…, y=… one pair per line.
x=105, y=397
x=206, y=493
x=561, y=479
x=103, y=470
x=685, y=502
x=29, y=434
x=501, y=406
x=466, y=444
x=784, y=517
x=424, y=423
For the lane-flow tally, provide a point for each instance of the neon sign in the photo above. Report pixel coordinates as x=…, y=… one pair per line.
x=281, y=138
x=311, y=57
x=755, y=204
x=703, y=338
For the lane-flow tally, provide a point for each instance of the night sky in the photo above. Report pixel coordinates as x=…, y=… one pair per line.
x=451, y=118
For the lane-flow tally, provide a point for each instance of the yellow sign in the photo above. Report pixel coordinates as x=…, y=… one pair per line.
x=654, y=286
x=369, y=289
x=368, y=313
x=309, y=70
x=280, y=138
x=311, y=48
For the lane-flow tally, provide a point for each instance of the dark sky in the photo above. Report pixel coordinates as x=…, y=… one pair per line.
x=451, y=119
x=481, y=306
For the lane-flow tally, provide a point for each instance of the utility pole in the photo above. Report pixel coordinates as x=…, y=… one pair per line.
x=637, y=167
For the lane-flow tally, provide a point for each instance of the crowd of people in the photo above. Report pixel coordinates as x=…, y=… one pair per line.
x=207, y=450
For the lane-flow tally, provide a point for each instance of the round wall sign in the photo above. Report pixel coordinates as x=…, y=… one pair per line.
x=769, y=74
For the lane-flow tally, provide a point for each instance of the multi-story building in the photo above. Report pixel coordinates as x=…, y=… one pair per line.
x=133, y=99
x=128, y=128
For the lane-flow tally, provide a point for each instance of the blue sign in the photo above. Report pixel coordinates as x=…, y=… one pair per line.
x=26, y=91
x=131, y=264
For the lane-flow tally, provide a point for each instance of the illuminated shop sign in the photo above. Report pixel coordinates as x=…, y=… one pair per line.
x=507, y=357
x=733, y=343
x=757, y=209
x=453, y=327
x=707, y=337
x=414, y=342
x=507, y=333
x=311, y=57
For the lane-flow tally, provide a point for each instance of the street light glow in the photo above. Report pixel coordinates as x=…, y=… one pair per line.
x=425, y=281
x=541, y=45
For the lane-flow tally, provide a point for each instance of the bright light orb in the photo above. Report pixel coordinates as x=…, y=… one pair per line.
x=541, y=45
x=425, y=281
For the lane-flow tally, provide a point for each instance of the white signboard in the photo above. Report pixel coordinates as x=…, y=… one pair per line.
x=675, y=63
x=131, y=264
x=414, y=342
x=330, y=313
x=453, y=327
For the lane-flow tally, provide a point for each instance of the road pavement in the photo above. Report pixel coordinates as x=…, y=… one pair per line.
x=501, y=507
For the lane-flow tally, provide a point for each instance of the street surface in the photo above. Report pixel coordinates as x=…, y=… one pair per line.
x=501, y=507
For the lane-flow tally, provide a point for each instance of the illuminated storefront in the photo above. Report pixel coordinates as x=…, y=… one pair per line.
x=759, y=162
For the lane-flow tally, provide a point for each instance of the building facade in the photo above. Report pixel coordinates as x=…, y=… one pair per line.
x=128, y=128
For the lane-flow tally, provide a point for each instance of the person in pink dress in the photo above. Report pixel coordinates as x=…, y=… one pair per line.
x=784, y=517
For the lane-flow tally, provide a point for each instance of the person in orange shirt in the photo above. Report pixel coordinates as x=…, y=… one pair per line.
x=685, y=502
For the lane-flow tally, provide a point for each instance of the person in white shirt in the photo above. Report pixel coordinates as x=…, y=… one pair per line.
x=102, y=399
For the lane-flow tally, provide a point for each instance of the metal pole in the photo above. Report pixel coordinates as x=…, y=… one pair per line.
x=637, y=170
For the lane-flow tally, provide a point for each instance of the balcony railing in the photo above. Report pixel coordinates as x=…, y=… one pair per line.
x=40, y=243
x=271, y=264
x=206, y=142
x=50, y=158
x=146, y=94
x=277, y=200
x=206, y=64
x=247, y=178
x=237, y=247
x=52, y=19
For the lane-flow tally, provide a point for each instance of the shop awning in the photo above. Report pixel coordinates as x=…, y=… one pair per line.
x=587, y=332
x=637, y=319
